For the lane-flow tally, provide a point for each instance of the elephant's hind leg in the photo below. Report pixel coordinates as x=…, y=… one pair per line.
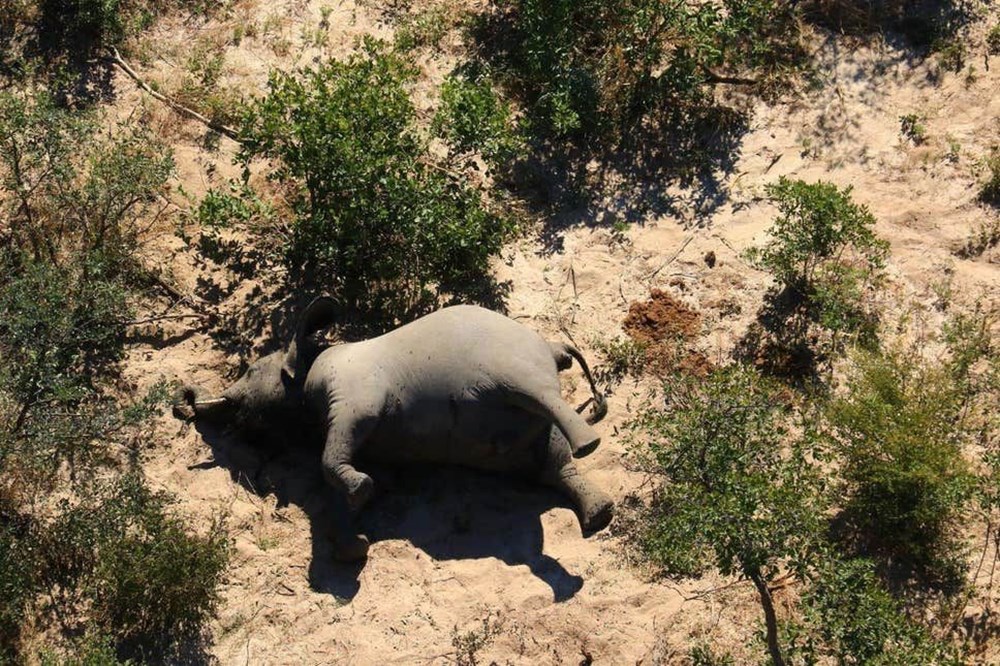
x=343, y=439
x=582, y=437
x=593, y=506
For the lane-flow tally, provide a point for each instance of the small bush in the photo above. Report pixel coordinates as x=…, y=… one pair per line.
x=92, y=650
x=827, y=261
x=376, y=220
x=92, y=24
x=993, y=40
x=424, y=28
x=990, y=190
x=109, y=559
x=737, y=489
x=824, y=252
x=17, y=586
x=899, y=433
x=622, y=357
x=595, y=71
x=912, y=127
x=705, y=655
x=473, y=119
x=150, y=583
x=222, y=211
x=951, y=53
x=850, y=616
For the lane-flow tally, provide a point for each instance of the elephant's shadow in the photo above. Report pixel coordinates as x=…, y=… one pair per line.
x=450, y=513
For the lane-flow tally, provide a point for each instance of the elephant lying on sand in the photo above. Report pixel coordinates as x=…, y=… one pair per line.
x=463, y=385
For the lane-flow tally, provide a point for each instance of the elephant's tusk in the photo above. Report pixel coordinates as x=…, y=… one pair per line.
x=211, y=402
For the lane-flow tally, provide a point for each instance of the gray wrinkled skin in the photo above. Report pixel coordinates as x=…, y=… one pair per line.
x=463, y=385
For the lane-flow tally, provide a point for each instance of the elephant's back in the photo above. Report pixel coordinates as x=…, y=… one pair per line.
x=472, y=335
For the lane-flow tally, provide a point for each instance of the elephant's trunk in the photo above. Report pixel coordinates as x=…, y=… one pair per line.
x=192, y=405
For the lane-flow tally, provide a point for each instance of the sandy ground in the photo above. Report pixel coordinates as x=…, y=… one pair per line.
x=457, y=552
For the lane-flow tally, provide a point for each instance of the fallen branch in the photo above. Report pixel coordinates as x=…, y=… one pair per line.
x=712, y=77
x=163, y=317
x=115, y=58
x=671, y=259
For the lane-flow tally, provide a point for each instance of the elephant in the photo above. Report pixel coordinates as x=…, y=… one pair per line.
x=463, y=385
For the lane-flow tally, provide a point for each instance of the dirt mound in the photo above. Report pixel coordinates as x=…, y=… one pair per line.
x=661, y=318
x=668, y=327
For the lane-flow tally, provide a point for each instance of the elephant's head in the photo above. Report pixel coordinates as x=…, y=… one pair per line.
x=270, y=391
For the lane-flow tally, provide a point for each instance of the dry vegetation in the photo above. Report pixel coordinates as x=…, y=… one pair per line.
x=772, y=226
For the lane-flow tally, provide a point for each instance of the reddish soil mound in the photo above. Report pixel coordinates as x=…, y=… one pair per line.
x=662, y=317
x=667, y=326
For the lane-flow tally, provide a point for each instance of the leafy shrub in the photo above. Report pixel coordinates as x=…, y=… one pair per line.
x=827, y=261
x=220, y=212
x=899, y=433
x=912, y=127
x=16, y=584
x=57, y=202
x=110, y=556
x=148, y=581
x=737, y=490
x=851, y=617
x=990, y=190
x=473, y=118
x=993, y=40
x=92, y=24
x=595, y=70
x=91, y=650
x=375, y=218
x=622, y=357
x=705, y=655
x=824, y=252
x=423, y=28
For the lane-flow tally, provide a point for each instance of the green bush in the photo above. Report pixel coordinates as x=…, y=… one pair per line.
x=92, y=24
x=219, y=212
x=824, y=252
x=597, y=70
x=827, y=262
x=147, y=581
x=738, y=489
x=70, y=197
x=705, y=655
x=993, y=40
x=899, y=433
x=17, y=587
x=110, y=559
x=849, y=616
x=376, y=219
x=91, y=650
x=990, y=190
x=473, y=119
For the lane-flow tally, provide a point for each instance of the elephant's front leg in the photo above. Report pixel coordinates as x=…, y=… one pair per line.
x=345, y=436
x=593, y=506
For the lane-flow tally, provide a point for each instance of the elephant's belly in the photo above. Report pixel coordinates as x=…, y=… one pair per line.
x=490, y=437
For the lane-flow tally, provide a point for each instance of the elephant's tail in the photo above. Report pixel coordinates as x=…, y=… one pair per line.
x=564, y=354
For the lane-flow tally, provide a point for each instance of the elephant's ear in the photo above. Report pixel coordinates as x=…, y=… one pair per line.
x=302, y=351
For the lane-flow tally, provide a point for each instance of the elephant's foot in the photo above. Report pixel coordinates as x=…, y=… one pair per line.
x=350, y=548
x=593, y=507
x=360, y=489
x=356, y=486
x=586, y=447
x=595, y=515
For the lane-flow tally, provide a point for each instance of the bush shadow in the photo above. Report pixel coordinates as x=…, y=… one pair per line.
x=265, y=320
x=449, y=513
x=662, y=168
x=780, y=342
